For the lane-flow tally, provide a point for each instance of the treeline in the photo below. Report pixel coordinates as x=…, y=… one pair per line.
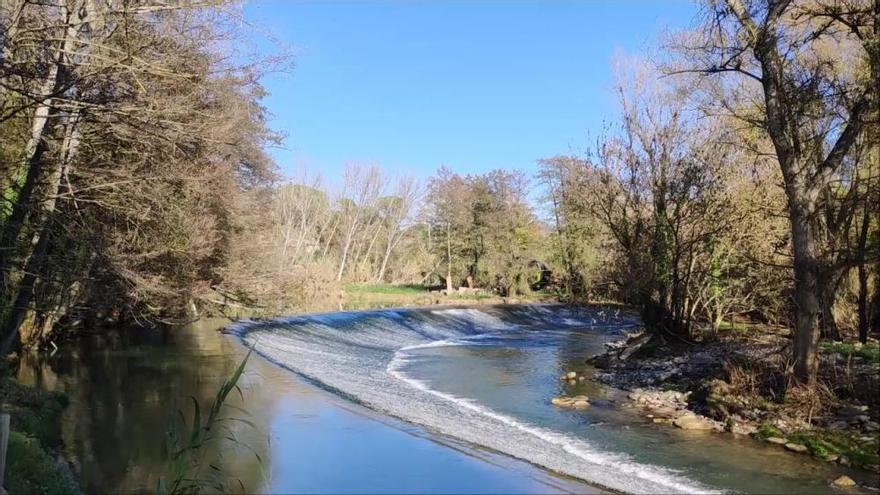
x=741, y=181
x=131, y=154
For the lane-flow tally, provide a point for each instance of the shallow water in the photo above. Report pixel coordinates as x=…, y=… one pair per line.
x=123, y=388
x=486, y=376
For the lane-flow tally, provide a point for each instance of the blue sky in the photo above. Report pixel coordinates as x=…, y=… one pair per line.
x=412, y=85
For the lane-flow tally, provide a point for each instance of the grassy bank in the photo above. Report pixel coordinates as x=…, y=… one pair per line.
x=35, y=419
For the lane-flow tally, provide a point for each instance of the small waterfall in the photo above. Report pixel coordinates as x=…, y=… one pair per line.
x=363, y=356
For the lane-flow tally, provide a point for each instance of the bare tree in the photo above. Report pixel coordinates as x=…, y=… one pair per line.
x=811, y=108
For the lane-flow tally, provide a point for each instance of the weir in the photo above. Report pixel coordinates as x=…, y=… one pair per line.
x=364, y=356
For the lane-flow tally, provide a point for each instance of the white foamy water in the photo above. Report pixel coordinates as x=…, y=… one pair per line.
x=363, y=356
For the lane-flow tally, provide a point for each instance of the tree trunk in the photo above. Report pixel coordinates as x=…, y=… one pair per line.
x=389, y=248
x=806, y=300
x=449, y=287
x=862, y=271
x=12, y=324
x=828, y=285
x=32, y=161
x=25, y=294
x=875, y=304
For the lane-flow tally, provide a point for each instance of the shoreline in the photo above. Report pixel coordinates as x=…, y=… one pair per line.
x=678, y=386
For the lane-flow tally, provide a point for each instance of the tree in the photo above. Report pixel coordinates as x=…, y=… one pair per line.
x=813, y=109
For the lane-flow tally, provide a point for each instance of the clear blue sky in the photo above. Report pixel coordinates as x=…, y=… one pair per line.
x=412, y=85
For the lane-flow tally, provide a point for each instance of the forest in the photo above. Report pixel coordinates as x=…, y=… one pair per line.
x=739, y=182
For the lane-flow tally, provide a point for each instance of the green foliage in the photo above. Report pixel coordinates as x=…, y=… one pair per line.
x=187, y=472
x=825, y=443
x=869, y=351
x=767, y=431
x=31, y=470
x=34, y=412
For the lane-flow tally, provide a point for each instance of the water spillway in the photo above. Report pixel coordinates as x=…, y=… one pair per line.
x=486, y=375
x=366, y=356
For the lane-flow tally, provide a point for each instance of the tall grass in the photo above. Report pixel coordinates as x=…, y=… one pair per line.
x=188, y=471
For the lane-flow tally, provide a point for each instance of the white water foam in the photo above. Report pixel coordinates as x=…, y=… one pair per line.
x=363, y=356
x=662, y=478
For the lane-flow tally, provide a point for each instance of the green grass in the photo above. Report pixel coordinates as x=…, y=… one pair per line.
x=387, y=289
x=31, y=470
x=869, y=351
x=825, y=443
x=767, y=431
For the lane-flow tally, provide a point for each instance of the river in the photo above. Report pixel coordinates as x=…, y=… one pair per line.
x=417, y=400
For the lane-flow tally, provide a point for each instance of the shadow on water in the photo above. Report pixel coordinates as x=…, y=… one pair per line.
x=123, y=387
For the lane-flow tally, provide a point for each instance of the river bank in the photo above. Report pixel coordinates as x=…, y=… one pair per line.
x=736, y=384
x=35, y=463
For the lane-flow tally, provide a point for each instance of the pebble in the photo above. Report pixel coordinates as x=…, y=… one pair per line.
x=571, y=375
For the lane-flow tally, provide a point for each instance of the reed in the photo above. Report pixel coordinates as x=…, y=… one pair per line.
x=187, y=470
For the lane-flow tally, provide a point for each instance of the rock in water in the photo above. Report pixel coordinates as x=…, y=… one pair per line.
x=776, y=440
x=576, y=402
x=796, y=447
x=844, y=481
x=571, y=375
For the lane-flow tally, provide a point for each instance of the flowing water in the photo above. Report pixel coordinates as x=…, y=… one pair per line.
x=486, y=376
x=124, y=386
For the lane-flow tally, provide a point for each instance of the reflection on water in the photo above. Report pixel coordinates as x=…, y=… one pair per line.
x=124, y=386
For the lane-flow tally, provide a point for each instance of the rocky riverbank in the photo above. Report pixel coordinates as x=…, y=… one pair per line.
x=737, y=384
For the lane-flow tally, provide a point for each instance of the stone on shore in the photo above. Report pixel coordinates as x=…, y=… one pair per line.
x=692, y=422
x=844, y=481
x=777, y=440
x=742, y=428
x=796, y=447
